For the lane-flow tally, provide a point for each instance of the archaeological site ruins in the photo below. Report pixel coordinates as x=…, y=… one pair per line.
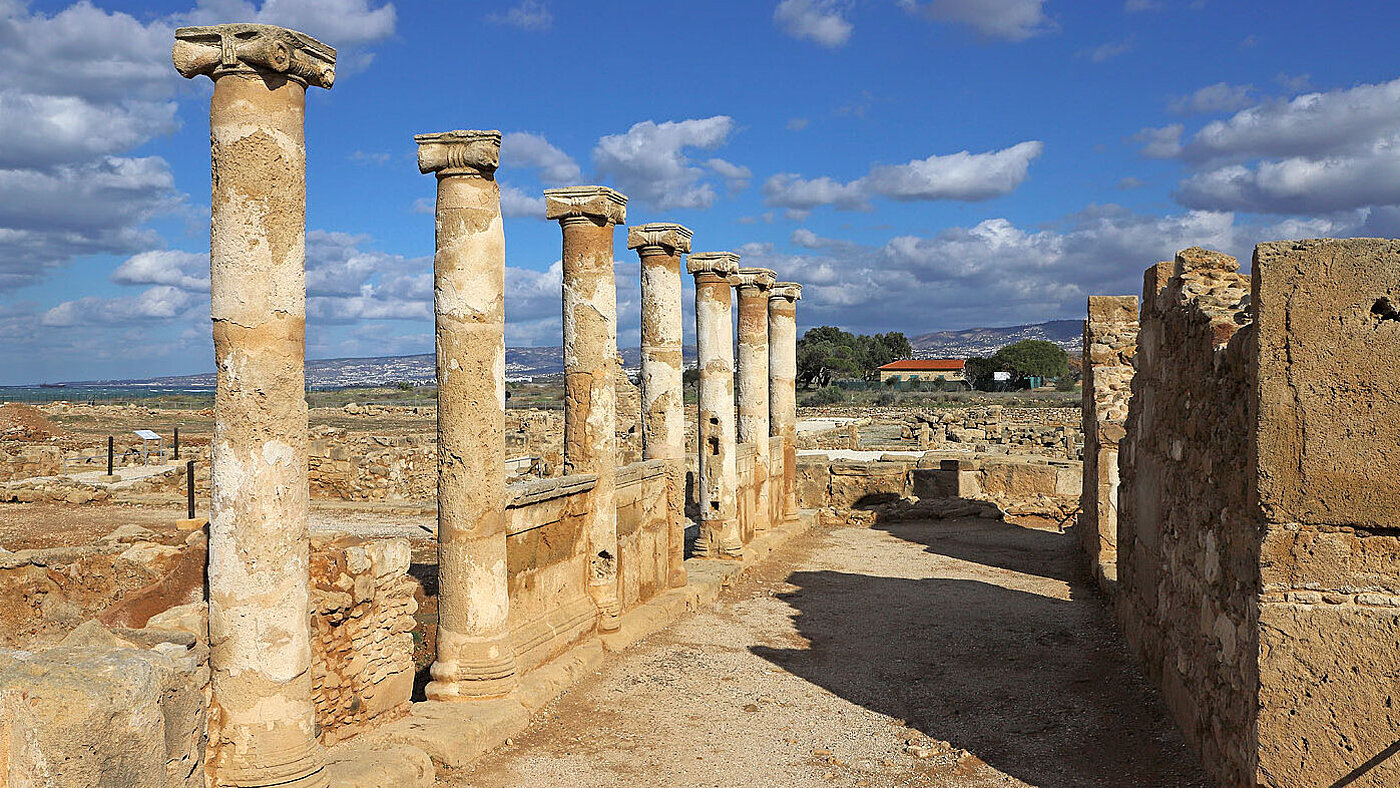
x=1224, y=491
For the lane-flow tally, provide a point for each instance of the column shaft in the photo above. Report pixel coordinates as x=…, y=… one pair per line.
x=590, y=401
x=782, y=393
x=264, y=728
x=720, y=536
x=475, y=656
x=663, y=406
x=753, y=380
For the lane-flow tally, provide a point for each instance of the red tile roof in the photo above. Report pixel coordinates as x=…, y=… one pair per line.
x=925, y=365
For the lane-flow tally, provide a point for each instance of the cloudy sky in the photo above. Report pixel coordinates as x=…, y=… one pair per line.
x=918, y=164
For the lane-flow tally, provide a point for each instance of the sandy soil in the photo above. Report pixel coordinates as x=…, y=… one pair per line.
x=978, y=641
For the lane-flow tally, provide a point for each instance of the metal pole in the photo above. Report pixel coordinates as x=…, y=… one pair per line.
x=177, y=445
x=189, y=488
x=109, y=455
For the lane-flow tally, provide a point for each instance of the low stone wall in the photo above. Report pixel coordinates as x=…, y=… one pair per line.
x=547, y=562
x=1258, y=560
x=643, y=532
x=25, y=460
x=362, y=603
x=1019, y=486
x=1052, y=432
x=371, y=467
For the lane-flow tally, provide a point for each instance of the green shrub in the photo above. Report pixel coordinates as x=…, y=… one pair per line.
x=830, y=395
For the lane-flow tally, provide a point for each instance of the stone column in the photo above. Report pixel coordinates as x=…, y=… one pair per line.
x=587, y=216
x=475, y=657
x=714, y=340
x=660, y=247
x=753, y=285
x=262, y=725
x=1110, y=343
x=782, y=391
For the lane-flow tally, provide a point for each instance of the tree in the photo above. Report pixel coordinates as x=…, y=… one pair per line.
x=1033, y=358
x=825, y=353
x=980, y=372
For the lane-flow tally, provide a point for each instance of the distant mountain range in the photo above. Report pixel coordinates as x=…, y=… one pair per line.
x=1068, y=334
x=532, y=362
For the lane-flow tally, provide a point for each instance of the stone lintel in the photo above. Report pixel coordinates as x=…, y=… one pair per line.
x=216, y=50
x=457, y=152
x=673, y=237
x=1113, y=309
x=719, y=263
x=762, y=278
x=594, y=202
x=792, y=291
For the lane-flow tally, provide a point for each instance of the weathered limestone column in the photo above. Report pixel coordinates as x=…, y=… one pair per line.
x=262, y=726
x=720, y=536
x=660, y=247
x=782, y=387
x=753, y=285
x=587, y=216
x=1110, y=343
x=475, y=657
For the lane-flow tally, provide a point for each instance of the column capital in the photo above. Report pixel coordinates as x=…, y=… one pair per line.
x=460, y=152
x=674, y=238
x=791, y=291
x=593, y=202
x=216, y=50
x=761, y=278
x=719, y=263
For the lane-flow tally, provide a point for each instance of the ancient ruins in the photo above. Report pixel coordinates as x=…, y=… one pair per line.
x=1226, y=481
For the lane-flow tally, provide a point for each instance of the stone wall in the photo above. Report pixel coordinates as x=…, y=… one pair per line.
x=1052, y=432
x=372, y=467
x=643, y=532
x=362, y=602
x=25, y=460
x=1258, y=572
x=1110, y=342
x=1018, y=486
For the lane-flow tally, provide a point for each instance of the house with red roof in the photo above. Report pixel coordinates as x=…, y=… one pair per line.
x=949, y=370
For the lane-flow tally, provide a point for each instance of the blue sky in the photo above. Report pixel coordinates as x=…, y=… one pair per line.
x=918, y=164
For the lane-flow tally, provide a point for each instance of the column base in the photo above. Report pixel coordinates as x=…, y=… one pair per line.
x=261, y=762
x=471, y=668
x=609, y=607
x=678, y=579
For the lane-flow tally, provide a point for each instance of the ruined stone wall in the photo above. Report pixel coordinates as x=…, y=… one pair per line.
x=1187, y=552
x=746, y=491
x=547, y=563
x=372, y=467
x=362, y=602
x=643, y=532
x=1258, y=570
x=1052, y=432
x=1110, y=342
x=25, y=460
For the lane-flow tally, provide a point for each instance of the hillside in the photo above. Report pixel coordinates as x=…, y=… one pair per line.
x=966, y=343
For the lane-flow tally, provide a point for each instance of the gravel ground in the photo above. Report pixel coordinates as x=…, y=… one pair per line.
x=957, y=653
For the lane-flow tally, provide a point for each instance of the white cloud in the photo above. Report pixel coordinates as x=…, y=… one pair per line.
x=736, y=176
x=516, y=203
x=343, y=24
x=797, y=124
x=1011, y=20
x=526, y=15
x=1220, y=97
x=649, y=161
x=1163, y=143
x=1301, y=184
x=822, y=21
x=1135, y=6
x=172, y=267
x=1107, y=51
x=962, y=176
x=158, y=303
x=523, y=149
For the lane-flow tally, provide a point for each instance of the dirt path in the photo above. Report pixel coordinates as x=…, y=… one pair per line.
x=978, y=641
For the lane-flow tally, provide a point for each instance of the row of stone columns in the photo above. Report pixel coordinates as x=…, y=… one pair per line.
x=262, y=730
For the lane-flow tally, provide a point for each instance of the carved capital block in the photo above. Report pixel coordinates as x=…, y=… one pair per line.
x=217, y=50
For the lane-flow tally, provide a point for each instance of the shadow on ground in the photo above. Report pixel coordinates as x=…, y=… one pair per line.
x=996, y=663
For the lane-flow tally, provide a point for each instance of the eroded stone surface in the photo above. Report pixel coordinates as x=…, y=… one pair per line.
x=782, y=391
x=753, y=286
x=720, y=535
